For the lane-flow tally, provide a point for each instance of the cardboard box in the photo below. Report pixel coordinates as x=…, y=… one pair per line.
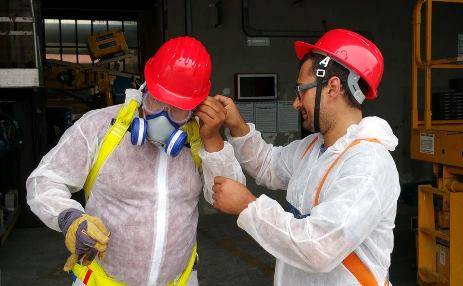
x=443, y=260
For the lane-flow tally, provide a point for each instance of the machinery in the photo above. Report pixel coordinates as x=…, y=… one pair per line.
x=107, y=44
x=83, y=87
x=74, y=89
x=79, y=81
x=440, y=205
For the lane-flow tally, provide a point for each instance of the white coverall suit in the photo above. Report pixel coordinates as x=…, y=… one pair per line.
x=356, y=210
x=146, y=199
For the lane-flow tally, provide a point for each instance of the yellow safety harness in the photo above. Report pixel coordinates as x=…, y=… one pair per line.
x=94, y=274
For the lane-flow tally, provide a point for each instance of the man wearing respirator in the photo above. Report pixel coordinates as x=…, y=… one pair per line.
x=138, y=164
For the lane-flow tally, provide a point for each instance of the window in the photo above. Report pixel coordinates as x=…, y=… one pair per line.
x=66, y=39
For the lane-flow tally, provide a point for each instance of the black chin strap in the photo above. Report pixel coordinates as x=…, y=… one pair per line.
x=320, y=79
x=316, y=114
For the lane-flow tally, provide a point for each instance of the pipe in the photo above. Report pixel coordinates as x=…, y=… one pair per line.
x=454, y=186
x=188, y=17
x=427, y=80
x=417, y=32
x=34, y=34
x=415, y=57
x=164, y=20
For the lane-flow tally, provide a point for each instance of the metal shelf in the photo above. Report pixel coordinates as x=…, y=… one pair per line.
x=27, y=74
x=440, y=142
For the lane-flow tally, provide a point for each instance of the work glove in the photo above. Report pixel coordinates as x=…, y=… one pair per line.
x=85, y=237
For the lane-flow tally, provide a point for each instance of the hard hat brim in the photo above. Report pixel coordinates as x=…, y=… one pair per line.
x=174, y=99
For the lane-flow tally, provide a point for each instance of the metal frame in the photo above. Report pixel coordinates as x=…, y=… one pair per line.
x=23, y=77
x=428, y=64
x=444, y=147
x=448, y=134
x=448, y=188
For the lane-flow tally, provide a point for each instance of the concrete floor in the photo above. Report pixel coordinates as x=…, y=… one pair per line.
x=228, y=256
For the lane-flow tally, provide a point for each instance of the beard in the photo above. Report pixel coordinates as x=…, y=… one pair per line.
x=324, y=121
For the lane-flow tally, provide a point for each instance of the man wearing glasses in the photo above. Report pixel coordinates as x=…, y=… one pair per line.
x=342, y=183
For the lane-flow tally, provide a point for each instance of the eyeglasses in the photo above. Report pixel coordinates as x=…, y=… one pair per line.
x=300, y=89
x=177, y=115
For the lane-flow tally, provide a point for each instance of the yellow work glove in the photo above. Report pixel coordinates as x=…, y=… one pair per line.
x=85, y=237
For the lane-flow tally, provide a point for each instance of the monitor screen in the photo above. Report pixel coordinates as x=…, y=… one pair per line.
x=257, y=86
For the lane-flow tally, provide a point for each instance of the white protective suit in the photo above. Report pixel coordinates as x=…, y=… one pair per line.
x=356, y=210
x=146, y=199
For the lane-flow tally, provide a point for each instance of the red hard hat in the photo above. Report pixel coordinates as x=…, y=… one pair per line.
x=352, y=51
x=179, y=73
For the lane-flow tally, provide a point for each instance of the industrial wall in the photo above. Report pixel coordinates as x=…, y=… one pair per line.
x=219, y=24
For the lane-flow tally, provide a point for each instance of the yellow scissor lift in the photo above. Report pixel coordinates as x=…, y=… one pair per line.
x=439, y=142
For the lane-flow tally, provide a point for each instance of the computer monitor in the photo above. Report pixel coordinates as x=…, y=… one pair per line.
x=256, y=86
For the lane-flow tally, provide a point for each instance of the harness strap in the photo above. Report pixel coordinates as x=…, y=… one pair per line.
x=110, y=142
x=352, y=262
x=309, y=147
